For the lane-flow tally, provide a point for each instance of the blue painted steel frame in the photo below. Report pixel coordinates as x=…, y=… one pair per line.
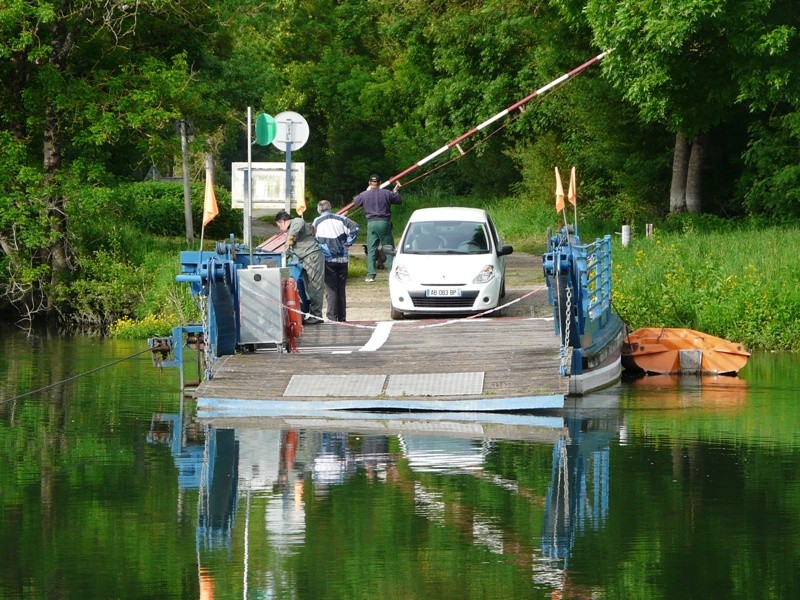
x=588, y=269
x=205, y=270
x=214, y=275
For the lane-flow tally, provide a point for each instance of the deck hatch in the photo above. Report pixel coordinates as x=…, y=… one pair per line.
x=335, y=385
x=435, y=384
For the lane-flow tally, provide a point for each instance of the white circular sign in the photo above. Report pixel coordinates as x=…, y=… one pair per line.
x=291, y=127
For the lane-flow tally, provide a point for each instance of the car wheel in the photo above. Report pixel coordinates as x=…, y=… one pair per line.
x=503, y=289
x=396, y=314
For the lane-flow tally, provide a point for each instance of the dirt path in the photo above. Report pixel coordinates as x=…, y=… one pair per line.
x=370, y=301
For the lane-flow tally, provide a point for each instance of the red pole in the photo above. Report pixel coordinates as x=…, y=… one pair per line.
x=488, y=122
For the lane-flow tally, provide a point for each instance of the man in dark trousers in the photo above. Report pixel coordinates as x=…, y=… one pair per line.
x=335, y=234
x=377, y=205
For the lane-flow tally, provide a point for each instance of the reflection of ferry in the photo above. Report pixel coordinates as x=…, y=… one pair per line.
x=168, y=429
x=577, y=499
x=427, y=463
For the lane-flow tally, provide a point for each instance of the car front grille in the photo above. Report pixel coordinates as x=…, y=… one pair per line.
x=466, y=300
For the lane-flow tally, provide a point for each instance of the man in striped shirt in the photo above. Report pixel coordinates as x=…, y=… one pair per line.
x=335, y=234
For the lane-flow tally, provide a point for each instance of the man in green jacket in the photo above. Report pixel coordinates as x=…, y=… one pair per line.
x=301, y=243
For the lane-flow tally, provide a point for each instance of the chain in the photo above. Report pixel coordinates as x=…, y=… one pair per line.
x=208, y=355
x=567, y=324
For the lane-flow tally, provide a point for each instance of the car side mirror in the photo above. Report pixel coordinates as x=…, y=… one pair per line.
x=389, y=250
x=505, y=250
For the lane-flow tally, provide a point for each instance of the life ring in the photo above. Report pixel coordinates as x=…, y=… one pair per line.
x=293, y=318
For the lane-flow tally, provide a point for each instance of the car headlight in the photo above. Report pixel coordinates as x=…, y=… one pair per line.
x=485, y=275
x=401, y=273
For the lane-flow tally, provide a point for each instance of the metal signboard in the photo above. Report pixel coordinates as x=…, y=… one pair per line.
x=269, y=185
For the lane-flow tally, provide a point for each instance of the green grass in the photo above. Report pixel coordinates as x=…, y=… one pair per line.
x=741, y=285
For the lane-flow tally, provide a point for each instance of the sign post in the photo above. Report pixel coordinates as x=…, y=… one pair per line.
x=248, y=205
x=291, y=134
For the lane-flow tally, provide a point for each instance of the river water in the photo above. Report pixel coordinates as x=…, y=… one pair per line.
x=110, y=488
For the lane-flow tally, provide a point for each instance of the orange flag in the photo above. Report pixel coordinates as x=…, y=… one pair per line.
x=300, y=208
x=572, y=196
x=210, y=209
x=559, y=192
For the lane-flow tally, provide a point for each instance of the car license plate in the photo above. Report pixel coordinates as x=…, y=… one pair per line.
x=443, y=292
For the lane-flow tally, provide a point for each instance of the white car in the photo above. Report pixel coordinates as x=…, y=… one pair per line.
x=449, y=261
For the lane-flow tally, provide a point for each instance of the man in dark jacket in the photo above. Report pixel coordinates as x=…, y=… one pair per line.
x=335, y=234
x=377, y=203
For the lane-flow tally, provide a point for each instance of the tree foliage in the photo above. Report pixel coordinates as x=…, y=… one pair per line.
x=93, y=90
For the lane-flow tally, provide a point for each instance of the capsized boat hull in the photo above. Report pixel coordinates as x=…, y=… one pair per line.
x=672, y=350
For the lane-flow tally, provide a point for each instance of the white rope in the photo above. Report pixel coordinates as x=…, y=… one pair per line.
x=440, y=324
x=246, y=546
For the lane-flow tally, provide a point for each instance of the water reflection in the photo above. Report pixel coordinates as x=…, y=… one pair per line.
x=718, y=392
x=577, y=498
x=673, y=490
x=457, y=482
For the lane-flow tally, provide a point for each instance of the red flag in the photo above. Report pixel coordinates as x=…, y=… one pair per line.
x=210, y=209
x=572, y=196
x=559, y=192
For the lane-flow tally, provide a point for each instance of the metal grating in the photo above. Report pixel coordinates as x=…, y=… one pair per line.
x=335, y=385
x=435, y=384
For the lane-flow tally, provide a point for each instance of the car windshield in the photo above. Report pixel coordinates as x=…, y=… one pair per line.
x=446, y=237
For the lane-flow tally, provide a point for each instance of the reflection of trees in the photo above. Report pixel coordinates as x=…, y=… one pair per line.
x=82, y=494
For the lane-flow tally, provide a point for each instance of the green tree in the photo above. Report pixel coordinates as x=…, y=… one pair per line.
x=677, y=61
x=92, y=88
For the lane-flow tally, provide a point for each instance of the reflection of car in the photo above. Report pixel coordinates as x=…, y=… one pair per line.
x=449, y=260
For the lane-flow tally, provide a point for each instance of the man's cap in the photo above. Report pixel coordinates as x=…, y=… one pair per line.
x=375, y=178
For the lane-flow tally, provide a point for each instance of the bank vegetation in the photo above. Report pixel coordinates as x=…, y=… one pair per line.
x=695, y=110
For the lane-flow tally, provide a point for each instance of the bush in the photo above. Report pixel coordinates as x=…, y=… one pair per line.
x=157, y=207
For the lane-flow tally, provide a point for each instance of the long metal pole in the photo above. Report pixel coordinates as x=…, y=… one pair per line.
x=498, y=116
x=248, y=205
x=288, y=165
x=491, y=120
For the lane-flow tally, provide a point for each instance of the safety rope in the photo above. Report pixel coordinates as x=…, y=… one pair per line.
x=74, y=377
x=439, y=324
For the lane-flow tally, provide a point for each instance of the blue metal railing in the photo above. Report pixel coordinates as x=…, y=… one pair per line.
x=596, y=280
x=586, y=270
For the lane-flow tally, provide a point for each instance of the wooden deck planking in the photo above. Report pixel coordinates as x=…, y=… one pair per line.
x=519, y=358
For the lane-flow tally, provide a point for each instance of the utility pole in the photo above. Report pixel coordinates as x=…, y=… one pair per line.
x=187, y=194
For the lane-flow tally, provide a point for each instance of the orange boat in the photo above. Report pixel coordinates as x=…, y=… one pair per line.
x=665, y=350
